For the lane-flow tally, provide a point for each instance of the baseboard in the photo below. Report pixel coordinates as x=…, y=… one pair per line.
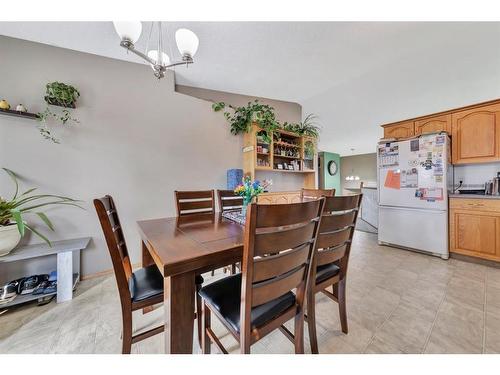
x=484, y=262
x=104, y=273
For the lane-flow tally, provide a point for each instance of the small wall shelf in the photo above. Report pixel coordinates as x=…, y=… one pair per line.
x=10, y=112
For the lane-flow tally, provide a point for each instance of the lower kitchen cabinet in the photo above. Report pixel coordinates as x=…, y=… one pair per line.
x=475, y=227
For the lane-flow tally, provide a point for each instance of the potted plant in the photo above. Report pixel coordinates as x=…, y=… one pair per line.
x=61, y=94
x=13, y=213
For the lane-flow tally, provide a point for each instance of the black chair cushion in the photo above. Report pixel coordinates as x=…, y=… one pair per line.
x=198, y=279
x=145, y=283
x=225, y=296
x=326, y=271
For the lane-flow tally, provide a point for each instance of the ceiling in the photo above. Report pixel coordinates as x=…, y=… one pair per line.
x=294, y=61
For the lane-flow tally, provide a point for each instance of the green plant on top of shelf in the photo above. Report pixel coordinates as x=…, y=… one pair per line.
x=61, y=94
x=43, y=117
x=241, y=118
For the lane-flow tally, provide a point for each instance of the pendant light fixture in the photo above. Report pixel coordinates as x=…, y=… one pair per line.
x=187, y=44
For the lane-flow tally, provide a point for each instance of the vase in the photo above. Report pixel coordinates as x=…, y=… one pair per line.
x=9, y=238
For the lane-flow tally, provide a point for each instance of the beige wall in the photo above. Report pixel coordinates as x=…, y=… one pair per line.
x=138, y=140
x=285, y=111
x=364, y=166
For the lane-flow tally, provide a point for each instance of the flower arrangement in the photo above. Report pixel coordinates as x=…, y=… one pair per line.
x=249, y=189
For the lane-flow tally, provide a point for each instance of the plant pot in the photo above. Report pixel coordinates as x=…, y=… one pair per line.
x=53, y=101
x=9, y=238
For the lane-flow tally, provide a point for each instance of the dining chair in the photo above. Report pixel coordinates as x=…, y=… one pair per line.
x=229, y=201
x=331, y=258
x=279, y=242
x=316, y=193
x=138, y=289
x=196, y=202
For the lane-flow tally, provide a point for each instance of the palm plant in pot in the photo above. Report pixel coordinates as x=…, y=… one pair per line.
x=13, y=212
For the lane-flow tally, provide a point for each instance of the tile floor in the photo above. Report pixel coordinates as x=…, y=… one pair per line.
x=398, y=302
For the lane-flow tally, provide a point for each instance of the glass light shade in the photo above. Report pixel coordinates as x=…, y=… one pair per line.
x=153, y=54
x=187, y=42
x=356, y=178
x=128, y=30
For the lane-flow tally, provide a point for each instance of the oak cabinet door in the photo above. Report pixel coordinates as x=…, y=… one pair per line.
x=475, y=234
x=433, y=125
x=401, y=130
x=476, y=135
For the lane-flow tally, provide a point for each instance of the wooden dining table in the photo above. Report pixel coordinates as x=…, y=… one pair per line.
x=182, y=247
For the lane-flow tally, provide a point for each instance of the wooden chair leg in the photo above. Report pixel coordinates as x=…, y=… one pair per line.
x=205, y=341
x=342, y=305
x=311, y=322
x=199, y=313
x=299, y=332
x=127, y=331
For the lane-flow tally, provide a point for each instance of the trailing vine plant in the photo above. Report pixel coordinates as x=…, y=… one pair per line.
x=43, y=117
x=62, y=95
x=241, y=118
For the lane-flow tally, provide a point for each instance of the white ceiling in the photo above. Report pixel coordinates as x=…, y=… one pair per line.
x=300, y=62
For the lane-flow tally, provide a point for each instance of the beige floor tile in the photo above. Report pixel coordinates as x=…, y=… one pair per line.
x=457, y=329
x=377, y=346
x=493, y=300
x=399, y=281
x=492, y=331
x=493, y=276
x=466, y=292
x=407, y=328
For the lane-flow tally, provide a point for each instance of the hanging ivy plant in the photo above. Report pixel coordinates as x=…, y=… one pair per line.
x=241, y=118
x=44, y=118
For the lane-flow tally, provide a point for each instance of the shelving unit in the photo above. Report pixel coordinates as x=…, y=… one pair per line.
x=10, y=112
x=288, y=150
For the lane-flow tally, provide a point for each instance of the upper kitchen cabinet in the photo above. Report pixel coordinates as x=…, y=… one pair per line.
x=476, y=135
x=433, y=124
x=399, y=130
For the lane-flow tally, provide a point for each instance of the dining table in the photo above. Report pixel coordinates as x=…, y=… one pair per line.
x=182, y=247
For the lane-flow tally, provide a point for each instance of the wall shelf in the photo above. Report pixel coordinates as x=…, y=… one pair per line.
x=10, y=112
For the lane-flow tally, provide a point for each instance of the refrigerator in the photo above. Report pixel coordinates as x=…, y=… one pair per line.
x=414, y=179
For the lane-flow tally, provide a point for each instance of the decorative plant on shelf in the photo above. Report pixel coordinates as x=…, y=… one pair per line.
x=249, y=189
x=309, y=150
x=241, y=119
x=43, y=117
x=14, y=211
x=62, y=95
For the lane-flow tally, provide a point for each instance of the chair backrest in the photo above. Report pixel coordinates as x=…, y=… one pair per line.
x=194, y=202
x=228, y=200
x=336, y=232
x=316, y=193
x=113, y=233
x=278, y=247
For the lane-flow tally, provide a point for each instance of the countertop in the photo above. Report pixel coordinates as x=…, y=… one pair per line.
x=473, y=196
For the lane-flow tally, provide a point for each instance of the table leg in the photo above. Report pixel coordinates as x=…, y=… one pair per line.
x=179, y=313
x=147, y=260
x=64, y=276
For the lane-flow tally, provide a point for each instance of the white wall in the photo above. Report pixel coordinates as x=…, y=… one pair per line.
x=138, y=140
x=473, y=176
x=412, y=85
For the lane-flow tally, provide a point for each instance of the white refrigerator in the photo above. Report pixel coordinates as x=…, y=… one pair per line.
x=414, y=178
